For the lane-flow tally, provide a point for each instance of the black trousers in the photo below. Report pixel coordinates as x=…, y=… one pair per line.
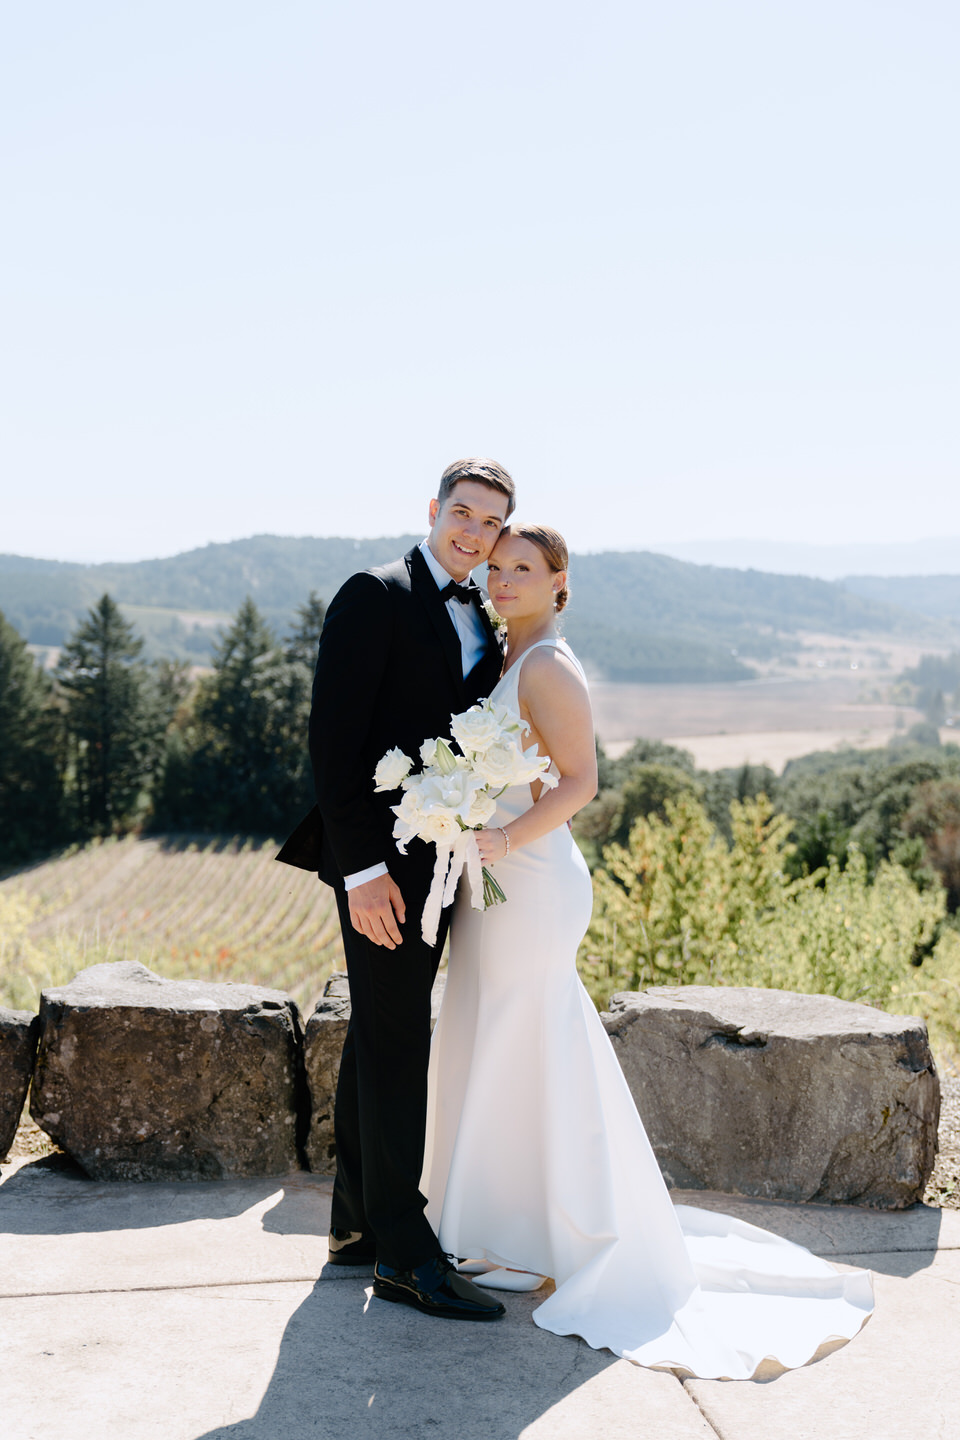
x=381, y=1107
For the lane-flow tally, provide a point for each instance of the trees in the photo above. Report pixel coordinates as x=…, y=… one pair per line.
x=31, y=789
x=91, y=753
x=301, y=644
x=112, y=718
x=861, y=799
x=238, y=760
x=934, y=817
x=677, y=906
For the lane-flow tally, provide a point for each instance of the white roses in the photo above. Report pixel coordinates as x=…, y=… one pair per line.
x=392, y=770
x=453, y=795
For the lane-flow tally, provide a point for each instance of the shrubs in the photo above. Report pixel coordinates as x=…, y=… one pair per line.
x=677, y=906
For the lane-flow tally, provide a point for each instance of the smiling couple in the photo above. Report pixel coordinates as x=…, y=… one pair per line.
x=512, y=1141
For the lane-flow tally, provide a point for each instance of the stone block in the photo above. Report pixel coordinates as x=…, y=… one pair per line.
x=142, y=1078
x=782, y=1096
x=18, y=1047
x=323, y=1041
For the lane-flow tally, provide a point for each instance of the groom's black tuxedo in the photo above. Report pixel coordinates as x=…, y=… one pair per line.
x=389, y=673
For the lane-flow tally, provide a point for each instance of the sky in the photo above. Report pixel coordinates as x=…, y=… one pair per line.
x=690, y=271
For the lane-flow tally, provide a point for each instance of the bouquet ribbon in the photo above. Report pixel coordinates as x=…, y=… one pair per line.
x=450, y=862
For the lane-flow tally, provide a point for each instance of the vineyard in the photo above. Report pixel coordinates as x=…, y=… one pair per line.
x=211, y=910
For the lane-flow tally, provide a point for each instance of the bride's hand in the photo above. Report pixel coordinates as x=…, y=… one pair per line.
x=492, y=845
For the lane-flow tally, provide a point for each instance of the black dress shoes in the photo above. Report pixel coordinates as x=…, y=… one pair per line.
x=350, y=1247
x=436, y=1289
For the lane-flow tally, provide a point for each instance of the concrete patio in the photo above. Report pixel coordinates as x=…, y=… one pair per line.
x=200, y=1311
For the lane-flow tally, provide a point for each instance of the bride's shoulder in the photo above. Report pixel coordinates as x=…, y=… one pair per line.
x=550, y=667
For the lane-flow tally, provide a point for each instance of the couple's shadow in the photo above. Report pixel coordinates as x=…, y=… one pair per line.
x=351, y=1365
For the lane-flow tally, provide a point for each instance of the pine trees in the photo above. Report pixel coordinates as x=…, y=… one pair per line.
x=301, y=647
x=113, y=720
x=239, y=761
x=111, y=742
x=31, y=792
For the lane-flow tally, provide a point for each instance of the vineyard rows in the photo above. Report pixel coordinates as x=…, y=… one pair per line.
x=214, y=910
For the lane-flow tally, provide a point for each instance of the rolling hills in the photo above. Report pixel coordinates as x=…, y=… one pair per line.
x=634, y=616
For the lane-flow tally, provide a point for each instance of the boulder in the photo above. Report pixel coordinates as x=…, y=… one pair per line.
x=18, y=1046
x=784, y=1096
x=141, y=1078
x=325, y=1033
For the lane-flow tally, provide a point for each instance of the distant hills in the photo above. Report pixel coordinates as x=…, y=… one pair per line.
x=936, y=596
x=633, y=616
x=938, y=555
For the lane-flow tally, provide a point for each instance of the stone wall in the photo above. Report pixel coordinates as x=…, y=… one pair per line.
x=141, y=1078
x=19, y=1031
x=789, y=1097
x=753, y=1092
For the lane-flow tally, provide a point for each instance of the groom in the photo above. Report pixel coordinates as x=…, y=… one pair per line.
x=404, y=646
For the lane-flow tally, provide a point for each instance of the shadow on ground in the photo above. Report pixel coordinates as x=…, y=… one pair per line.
x=351, y=1365
x=73, y=1204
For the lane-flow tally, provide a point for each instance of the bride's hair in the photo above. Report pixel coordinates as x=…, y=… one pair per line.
x=554, y=548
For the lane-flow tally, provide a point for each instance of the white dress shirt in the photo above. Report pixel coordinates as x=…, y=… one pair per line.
x=473, y=641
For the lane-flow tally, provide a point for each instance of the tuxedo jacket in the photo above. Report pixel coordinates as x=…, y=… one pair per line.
x=389, y=673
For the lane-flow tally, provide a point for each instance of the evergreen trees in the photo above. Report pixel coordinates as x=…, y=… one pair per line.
x=110, y=742
x=31, y=795
x=113, y=720
x=237, y=760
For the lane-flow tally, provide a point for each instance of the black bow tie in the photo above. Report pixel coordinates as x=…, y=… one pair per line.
x=464, y=593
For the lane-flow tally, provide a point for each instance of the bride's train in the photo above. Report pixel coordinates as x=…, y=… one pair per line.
x=538, y=1161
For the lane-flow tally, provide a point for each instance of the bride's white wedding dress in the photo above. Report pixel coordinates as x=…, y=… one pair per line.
x=537, y=1159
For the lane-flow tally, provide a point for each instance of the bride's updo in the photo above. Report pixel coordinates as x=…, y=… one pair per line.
x=554, y=548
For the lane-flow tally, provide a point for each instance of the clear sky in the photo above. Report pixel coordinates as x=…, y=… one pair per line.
x=689, y=269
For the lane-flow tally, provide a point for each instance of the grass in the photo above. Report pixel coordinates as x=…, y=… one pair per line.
x=185, y=907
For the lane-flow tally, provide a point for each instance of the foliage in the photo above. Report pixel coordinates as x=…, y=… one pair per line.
x=860, y=798
x=301, y=645
x=677, y=906
x=934, y=817
x=649, y=752
x=210, y=910
x=645, y=777
x=237, y=761
x=31, y=788
x=668, y=905
x=26, y=967
x=113, y=720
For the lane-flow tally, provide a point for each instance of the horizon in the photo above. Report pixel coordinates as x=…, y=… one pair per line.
x=823, y=561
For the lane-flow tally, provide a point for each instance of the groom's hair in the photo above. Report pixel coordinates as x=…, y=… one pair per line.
x=482, y=469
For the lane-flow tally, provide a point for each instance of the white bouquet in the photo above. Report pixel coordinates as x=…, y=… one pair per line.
x=454, y=795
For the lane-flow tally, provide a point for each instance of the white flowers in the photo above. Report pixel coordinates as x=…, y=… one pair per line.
x=455, y=794
x=392, y=770
x=477, y=729
x=453, y=791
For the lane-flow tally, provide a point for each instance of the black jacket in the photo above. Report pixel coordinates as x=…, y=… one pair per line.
x=389, y=673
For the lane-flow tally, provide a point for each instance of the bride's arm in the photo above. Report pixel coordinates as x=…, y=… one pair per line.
x=555, y=697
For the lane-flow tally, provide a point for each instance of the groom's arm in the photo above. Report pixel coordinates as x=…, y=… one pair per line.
x=351, y=663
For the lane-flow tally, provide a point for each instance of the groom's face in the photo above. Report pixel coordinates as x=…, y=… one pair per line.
x=466, y=527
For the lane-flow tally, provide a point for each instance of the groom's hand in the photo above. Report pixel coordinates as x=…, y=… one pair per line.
x=377, y=911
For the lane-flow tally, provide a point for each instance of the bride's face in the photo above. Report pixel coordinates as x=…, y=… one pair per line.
x=520, y=582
